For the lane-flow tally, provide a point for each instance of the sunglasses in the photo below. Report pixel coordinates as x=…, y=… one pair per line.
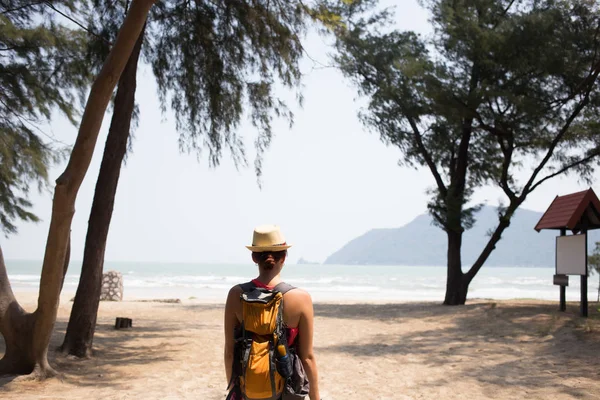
x=277, y=255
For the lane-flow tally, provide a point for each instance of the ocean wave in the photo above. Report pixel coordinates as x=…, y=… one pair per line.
x=349, y=289
x=531, y=280
x=320, y=281
x=23, y=278
x=512, y=293
x=489, y=280
x=205, y=278
x=34, y=280
x=433, y=286
x=158, y=283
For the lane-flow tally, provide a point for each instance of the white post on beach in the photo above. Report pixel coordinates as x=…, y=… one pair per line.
x=584, y=281
x=563, y=286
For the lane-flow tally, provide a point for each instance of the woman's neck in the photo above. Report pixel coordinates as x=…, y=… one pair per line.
x=269, y=278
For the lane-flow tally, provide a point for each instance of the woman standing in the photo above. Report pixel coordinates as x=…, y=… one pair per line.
x=269, y=251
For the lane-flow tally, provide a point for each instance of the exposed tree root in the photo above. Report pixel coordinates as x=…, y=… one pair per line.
x=38, y=374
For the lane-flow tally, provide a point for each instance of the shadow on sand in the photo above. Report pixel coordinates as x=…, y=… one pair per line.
x=112, y=348
x=542, y=342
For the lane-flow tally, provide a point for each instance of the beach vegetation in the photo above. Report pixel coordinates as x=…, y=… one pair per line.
x=43, y=73
x=502, y=93
x=27, y=335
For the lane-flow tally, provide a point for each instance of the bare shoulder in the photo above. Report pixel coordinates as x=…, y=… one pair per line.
x=233, y=306
x=234, y=294
x=300, y=297
x=301, y=294
x=235, y=291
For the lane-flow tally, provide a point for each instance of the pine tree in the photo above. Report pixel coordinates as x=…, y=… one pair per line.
x=27, y=335
x=501, y=87
x=42, y=71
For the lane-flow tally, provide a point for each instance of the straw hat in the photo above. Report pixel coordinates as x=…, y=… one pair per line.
x=268, y=238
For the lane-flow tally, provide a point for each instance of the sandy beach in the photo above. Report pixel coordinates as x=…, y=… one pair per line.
x=485, y=350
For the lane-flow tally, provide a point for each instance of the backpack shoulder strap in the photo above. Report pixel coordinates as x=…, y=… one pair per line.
x=283, y=287
x=248, y=286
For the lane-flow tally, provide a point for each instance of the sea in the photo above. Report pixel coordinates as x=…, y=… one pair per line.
x=325, y=283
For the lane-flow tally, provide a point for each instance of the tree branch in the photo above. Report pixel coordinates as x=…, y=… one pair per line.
x=439, y=220
x=427, y=157
x=5, y=287
x=566, y=168
x=100, y=95
x=462, y=159
x=507, y=152
x=7, y=11
x=504, y=222
x=73, y=20
x=504, y=13
x=589, y=81
x=32, y=123
x=508, y=7
x=591, y=78
x=554, y=143
x=418, y=141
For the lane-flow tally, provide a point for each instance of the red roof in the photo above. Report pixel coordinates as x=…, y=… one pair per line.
x=566, y=211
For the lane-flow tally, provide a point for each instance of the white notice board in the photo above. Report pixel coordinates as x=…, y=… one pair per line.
x=571, y=255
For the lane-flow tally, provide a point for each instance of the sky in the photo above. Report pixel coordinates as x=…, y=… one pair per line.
x=325, y=181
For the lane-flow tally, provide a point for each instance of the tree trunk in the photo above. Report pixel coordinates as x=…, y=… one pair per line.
x=82, y=323
x=16, y=326
x=29, y=334
x=456, y=283
x=503, y=223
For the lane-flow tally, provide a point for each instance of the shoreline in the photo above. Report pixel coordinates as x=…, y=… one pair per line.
x=215, y=296
x=29, y=297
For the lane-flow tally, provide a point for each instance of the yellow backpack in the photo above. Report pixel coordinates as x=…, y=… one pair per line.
x=262, y=331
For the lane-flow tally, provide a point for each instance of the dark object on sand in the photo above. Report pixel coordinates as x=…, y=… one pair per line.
x=122, y=323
